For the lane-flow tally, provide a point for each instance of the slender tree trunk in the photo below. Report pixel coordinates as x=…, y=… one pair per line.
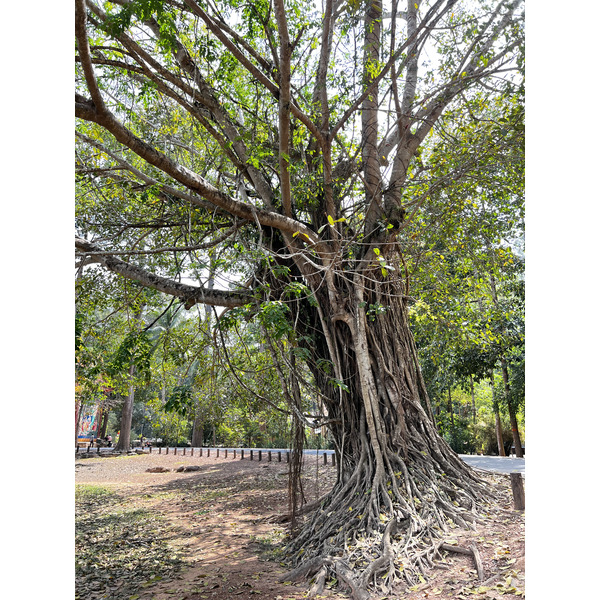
x=104, y=424
x=450, y=408
x=473, y=408
x=124, y=442
x=198, y=428
x=499, y=438
x=78, y=413
x=504, y=367
x=511, y=411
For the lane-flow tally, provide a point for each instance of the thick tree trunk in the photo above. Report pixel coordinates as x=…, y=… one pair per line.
x=398, y=480
x=124, y=442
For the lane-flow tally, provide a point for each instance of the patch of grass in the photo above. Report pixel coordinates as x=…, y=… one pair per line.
x=94, y=494
x=119, y=547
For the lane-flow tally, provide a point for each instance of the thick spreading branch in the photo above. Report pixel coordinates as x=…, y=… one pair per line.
x=189, y=294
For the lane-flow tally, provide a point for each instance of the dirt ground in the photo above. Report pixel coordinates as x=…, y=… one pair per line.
x=207, y=534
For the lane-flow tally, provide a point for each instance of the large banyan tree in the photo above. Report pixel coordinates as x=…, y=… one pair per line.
x=278, y=150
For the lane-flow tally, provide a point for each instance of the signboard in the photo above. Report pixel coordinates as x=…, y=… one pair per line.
x=88, y=426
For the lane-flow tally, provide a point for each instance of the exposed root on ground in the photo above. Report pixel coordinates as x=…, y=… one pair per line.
x=375, y=533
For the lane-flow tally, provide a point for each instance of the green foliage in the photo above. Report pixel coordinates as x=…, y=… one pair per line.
x=209, y=115
x=460, y=435
x=136, y=349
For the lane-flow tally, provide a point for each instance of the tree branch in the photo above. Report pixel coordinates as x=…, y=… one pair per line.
x=189, y=294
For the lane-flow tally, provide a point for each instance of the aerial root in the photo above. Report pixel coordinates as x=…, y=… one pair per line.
x=473, y=551
x=320, y=566
x=287, y=517
x=319, y=583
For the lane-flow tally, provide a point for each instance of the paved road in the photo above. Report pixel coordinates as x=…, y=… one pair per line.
x=496, y=464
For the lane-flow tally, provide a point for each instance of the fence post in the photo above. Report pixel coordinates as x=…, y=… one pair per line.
x=184, y=451
x=160, y=449
x=516, y=482
x=175, y=450
x=259, y=455
x=269, y=456
x=242, y=457
x=192, y=452
x=251, y=454
x=225, y=452
x=324, y=458
x=201, y=451
x=167, y=450
x=287, y=457
x=333, y=459
x=234, y=453
x=208, y=452
x=150, y=449
x=217, y=453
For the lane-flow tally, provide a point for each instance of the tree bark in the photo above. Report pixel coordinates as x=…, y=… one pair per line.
x=474, y=409
x=124, y=442
x=499, y=437
x=104, y=423
x=198, y=428
x=511, y=411
x=388, y=446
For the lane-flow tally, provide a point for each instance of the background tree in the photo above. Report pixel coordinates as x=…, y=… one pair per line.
x=282, y=137
x=467, y=267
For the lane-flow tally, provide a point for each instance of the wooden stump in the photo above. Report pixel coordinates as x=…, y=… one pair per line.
x=516, y=482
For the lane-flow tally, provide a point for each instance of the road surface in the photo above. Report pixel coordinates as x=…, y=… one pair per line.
x=495, y=464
